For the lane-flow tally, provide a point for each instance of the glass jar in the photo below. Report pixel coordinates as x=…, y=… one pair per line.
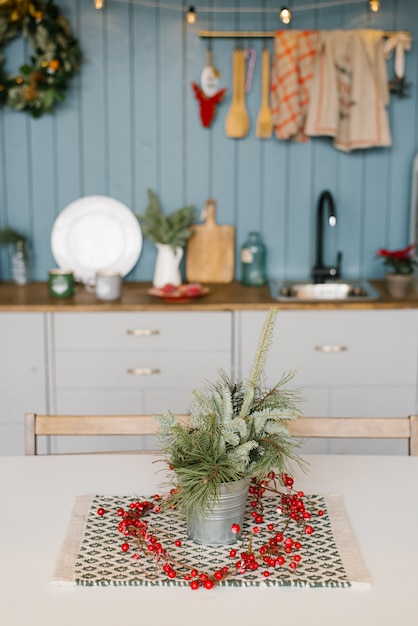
x=20, y=263
x=253, y=261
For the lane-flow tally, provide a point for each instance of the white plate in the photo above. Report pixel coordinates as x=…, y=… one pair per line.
x=96, y=233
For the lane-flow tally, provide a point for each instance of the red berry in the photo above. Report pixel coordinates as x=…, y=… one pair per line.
x=125, y=547
x=320, y=512
x=177, y=542
x=266, y=574
x=235, y=528
x=309, y=530
x=194, y=585
x=232, y=553
x=168, y=288
x=208, y=584
x=101, y=511
x=193, y=289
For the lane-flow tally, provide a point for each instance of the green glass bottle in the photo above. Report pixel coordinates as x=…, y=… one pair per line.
x=253, y=261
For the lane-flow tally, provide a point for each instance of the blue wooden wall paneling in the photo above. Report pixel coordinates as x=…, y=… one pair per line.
x=119, y=103
x=18, y=164
x=273, y=184
x=224, y=150
x=69, y=165
x=93, y=106
x=145, y=118
x=402, y=115
x=375, y=190
x=130, y=122
x=247, y=196
x=171, y=146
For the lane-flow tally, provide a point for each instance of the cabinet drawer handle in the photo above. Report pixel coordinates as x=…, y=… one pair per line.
x=330, y=348
x=143, y=371
x=142, y=332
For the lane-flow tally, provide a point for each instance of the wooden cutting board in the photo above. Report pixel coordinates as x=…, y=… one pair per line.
x=210, y=254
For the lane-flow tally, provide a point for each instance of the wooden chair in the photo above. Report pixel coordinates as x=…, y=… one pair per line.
x=85, y=425
x=302, y=427
x=359, y=427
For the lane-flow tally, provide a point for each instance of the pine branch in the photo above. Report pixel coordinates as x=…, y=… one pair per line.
x=172, y=230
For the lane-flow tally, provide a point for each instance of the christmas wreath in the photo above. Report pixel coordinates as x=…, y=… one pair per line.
x=55, y=58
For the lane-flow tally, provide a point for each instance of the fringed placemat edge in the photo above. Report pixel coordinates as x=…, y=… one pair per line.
x=346, y=542
x=64, y=572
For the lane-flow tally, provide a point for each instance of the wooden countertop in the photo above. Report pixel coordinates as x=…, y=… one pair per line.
x=233, y=297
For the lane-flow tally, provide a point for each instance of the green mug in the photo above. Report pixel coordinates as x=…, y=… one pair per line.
x=61, y=283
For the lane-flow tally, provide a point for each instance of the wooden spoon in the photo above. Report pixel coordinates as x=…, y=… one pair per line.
x=237, y=122
x=264, y=128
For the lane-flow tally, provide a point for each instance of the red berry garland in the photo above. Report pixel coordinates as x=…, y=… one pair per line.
x=277, y=550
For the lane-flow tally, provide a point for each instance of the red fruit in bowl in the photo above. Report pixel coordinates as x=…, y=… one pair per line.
x=168, y=288
x=193, y=289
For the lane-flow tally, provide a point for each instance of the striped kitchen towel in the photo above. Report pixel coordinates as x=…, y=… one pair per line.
x=291, y=76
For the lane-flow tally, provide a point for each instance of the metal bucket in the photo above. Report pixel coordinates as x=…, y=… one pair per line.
x=215, y=528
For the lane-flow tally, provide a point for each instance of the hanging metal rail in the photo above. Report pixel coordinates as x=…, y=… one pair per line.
x=260, y=34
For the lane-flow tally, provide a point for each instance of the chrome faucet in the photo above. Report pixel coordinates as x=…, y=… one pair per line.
x=320, y=272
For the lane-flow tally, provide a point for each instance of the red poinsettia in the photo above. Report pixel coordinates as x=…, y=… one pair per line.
x=399, y=261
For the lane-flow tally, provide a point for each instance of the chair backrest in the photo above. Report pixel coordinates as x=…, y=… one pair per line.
x=85, y=425
x=302, y=427
x=359, y=427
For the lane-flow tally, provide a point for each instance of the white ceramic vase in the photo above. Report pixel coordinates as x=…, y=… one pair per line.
x=167, y=266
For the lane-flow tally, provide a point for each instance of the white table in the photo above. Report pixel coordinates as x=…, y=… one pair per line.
x=37, y=494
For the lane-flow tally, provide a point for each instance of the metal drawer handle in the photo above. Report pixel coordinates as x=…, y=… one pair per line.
x=142, y=332
x=330, y=348
x=143, y=371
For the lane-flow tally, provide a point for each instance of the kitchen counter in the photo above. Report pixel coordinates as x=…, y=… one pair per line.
x=135, y=297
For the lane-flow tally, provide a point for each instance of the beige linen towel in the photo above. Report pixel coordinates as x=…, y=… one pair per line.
x=349, y=93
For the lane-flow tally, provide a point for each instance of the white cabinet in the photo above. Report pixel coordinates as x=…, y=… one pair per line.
x=349, y=363
x=141, y=362
x=23, y=375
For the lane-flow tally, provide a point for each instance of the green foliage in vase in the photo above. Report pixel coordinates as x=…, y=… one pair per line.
x=170, y=229
x=235, y=430
x=9, y=236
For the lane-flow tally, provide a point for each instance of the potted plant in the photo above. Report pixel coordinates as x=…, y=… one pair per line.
x=234, y=432
x=19, y=253
x=169, y=233
x=402, y=264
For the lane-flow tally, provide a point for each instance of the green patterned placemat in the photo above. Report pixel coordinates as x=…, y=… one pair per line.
x=91, y=553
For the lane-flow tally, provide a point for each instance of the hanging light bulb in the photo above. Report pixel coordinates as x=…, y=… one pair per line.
x=98, y=4
x=285, y=15
x=191, y=15
x=374, y=5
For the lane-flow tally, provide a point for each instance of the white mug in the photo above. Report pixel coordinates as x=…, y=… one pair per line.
x=108, y=285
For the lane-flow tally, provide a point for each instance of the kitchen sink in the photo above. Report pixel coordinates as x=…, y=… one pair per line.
x=335, y=290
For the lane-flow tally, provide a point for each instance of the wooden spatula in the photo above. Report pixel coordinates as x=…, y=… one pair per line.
x=264, y=128
x=237, y=122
